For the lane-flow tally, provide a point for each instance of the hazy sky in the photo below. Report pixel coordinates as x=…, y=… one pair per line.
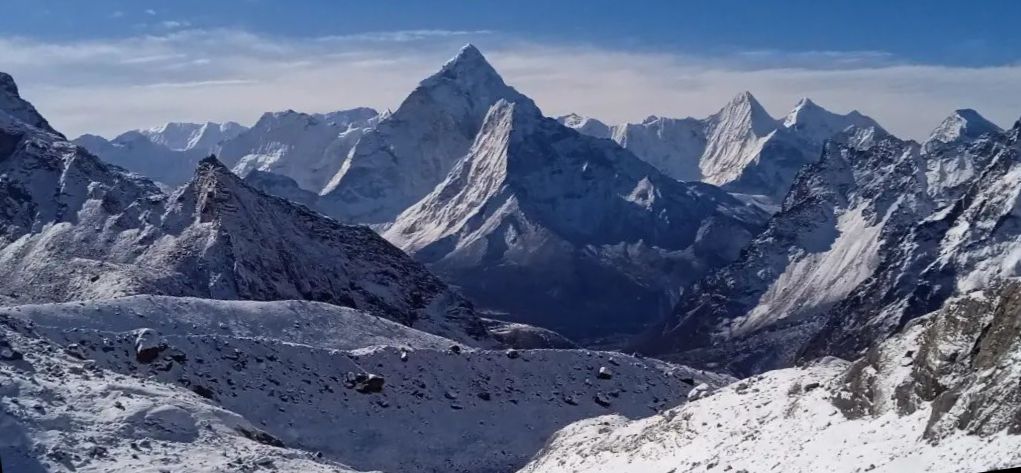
x=104, y=66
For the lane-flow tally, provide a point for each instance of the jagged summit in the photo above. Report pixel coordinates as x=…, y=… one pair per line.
x=816, y=124
x=12, y=103
x=409, y=152
x=963, y=124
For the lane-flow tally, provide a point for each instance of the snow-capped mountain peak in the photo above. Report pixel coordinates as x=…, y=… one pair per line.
x=816, y=124
x=587, y=125
x=412, y=150
x=962, y=124
x=745, y=110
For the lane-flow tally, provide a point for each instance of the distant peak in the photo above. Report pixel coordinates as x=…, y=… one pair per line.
x=806, y=102
x=963, y=123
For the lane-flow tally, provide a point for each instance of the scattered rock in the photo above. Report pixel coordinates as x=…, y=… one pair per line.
x=811, y=386
x=604, y=373
x=370, y=383
x=601, y=399
x=513, y=354
x=148, y=346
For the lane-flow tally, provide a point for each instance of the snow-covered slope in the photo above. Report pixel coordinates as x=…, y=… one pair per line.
x=816, y=124
x=672, y=145
x=409, y=406
x=941, y=396
x=568, y=231
x=137, y=153
x=873, y=235
x=970, y=244
x=308, y=148
x=411, y=151
x=167, y=154
x=75, y=228
x=826, y=240
x=963, y=124
x=62, y=413
x=180, y=136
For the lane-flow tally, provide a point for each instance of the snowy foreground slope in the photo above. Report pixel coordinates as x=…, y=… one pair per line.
x=939, y=397
x=300, y=373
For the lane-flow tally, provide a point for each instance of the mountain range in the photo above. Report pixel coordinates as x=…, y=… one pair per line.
x=356, y=291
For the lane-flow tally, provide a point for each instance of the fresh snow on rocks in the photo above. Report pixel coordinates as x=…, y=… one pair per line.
x=308, y=377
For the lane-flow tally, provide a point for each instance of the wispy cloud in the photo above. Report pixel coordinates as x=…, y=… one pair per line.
x=108, y=86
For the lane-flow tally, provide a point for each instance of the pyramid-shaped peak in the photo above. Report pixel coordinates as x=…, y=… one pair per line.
x=806, y=103
x=469, y=58
x=745, y=112
x=962, y=124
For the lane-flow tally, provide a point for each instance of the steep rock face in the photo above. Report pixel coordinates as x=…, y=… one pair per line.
x=875, y=234
x=945, y=387
x=830, y=235
x=411, y=151
x=957, y=366
x=308, y=148
x=568, y=231
x=73, y=227
x=970, y=244
x=19, y=109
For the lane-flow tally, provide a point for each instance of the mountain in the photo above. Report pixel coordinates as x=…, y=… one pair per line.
x=77, y=228
x=139, y=154
x=961, y=125
x=179, y=136
x=567, y=231
x=816, y=124
x=586, y=125
x=295, y=386
x=308, y=148
x=167, y=154
x=740, y=148
x=411, y=151
x=968, y=245
x=944, y=388
x=672, y=145
x=849, y=257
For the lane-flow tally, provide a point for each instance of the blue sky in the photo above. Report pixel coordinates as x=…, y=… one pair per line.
x=906, y=63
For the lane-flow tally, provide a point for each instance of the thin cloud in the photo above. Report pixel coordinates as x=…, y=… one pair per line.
x=107, y=86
